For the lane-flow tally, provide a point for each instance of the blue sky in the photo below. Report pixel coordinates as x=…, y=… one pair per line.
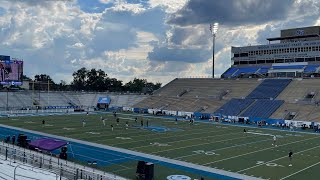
x=154, y=39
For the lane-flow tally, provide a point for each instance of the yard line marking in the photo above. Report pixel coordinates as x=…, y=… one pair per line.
x=187, y=139
x=199, y=144
x=277, y=159
x=259, y=134
x=300, y=171
x=225, y=148
x=257, y=151
x=165, y=137
x=182, y=141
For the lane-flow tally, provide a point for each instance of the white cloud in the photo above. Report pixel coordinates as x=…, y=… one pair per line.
x=170, y=6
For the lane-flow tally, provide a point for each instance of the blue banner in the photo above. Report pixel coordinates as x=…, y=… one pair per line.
x=104, y=100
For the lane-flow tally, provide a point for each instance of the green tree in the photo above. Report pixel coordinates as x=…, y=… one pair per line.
x=79, y=79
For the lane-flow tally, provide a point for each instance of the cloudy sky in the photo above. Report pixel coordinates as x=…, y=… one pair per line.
x=154, y=39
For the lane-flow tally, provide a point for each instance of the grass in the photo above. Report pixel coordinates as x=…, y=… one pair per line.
x=214, y=145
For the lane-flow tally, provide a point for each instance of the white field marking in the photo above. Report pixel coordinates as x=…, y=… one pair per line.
x=159, y=144
x=259, y=134
x=139, y=132
x=198, y=145
x=123, y=138
x=300, y=171
x=49, y=125
x=29, y=122
x=186, y=140
x=277, y=159
x=178, y=136
x=92, y=132
x=257, y=151
x=225, y=148
x=68, y=129
x=149, y=136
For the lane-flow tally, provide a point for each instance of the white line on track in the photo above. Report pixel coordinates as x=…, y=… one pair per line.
x=278, y=159
x=257, y=151
x=300, y=171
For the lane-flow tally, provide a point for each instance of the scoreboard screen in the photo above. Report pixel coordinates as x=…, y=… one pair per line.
x=11, y=72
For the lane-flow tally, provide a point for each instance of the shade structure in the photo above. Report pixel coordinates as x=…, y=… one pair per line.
x=47, y=144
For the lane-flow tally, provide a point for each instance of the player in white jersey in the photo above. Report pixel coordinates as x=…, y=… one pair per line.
x=83, y=122
x=104, y=122
x=274, y=140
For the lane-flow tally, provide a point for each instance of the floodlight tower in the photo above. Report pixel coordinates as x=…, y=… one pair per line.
x=214, y=30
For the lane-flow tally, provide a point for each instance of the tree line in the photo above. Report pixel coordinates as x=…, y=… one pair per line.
x=92, y=80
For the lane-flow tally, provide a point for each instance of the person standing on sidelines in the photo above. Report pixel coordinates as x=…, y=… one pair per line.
x=118, y=121
x=290, y=157
x=274, y=140
x=135, y=119
x=111, y=127
x=104, y=122
x=83, y=122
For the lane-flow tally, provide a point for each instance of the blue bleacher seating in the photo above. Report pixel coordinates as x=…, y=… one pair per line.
x=311, y=68
x=229, y=72
x=289, y=67
x=234, y=107
x=263, y=70
x=246, y=70
x=269, y=88
x=262, y=108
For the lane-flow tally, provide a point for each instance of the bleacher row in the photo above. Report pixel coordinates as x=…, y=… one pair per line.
x=23, y=99
x=234, y=72
x=259, y=103
x=266, y=98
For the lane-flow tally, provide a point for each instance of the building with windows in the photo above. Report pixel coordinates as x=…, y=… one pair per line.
x=296, y=53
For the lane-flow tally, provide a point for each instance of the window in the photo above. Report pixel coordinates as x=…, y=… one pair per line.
x=244, y=54
x=317, y=58
x=279, y=60
x=270, y=61
x=243, y=62
x=310, y=59
x=261, y=61
x=252, y=62
x=299, y=60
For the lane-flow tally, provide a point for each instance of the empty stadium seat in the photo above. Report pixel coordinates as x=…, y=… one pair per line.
x=269, y=88
x=234, y=107
x=262, y=108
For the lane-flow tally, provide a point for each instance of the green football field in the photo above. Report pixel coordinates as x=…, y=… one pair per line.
x=220, y=146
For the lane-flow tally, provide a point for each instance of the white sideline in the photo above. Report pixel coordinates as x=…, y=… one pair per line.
x=257, y=151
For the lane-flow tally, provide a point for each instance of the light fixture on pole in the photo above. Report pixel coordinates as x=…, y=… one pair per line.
x=214, y=30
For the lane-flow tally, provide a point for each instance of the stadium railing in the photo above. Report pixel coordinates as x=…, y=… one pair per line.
x=63, y=168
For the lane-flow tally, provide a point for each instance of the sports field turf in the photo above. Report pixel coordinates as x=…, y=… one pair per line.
x=220, y=146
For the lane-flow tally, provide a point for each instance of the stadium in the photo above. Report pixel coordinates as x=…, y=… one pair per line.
x=243, y=125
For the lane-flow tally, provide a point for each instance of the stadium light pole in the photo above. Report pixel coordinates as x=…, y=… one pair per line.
x=214, y=30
